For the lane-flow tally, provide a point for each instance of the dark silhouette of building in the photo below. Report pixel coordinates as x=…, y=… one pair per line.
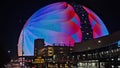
x=39, y=44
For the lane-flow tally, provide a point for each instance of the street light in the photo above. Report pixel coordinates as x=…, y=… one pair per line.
x=9, y=51
x=99, y=41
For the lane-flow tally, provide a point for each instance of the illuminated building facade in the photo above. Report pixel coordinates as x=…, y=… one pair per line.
x=56, y=56
x=95, y=53
x=60, y=24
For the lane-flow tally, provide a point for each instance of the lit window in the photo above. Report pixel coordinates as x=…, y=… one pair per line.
x=83, y=54
x=85, y=21
x=118, y=59
x=99, y=41
x=112, y=59
x=112, y=66
x=87, y=33
x=112, y=51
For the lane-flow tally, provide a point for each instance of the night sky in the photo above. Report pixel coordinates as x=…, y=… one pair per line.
x=14, y=14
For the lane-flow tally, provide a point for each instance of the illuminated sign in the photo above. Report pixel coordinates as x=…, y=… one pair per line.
x=38, y=60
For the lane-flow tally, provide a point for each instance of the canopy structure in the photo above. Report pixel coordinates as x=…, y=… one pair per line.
x=56, y=23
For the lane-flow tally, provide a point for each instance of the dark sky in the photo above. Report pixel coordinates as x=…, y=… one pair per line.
x=14, y=14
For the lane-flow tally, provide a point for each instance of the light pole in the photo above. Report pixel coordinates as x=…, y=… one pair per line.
x=99, y=43
x=9, y=52
x=22, y=48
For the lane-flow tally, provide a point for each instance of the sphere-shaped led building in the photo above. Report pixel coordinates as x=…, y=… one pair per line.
x=56, y=23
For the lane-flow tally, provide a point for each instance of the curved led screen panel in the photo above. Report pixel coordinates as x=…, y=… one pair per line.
x=55, y=23
x=98, y=27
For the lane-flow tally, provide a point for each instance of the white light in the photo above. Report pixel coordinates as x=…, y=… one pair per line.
x=80, y=64
x=112, y=66
x=83, y=54
x=107, y=52
x=102, y=53
x=87, y=33
x=99, y=41
x=117, y=50
x=9, y=51
x=89, y=64
x=112, y=51
x=118, y=59
x=93, y=64
x=112, y=59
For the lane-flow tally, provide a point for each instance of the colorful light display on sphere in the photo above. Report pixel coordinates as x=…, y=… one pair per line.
x=98, y=27
x=56, y=23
